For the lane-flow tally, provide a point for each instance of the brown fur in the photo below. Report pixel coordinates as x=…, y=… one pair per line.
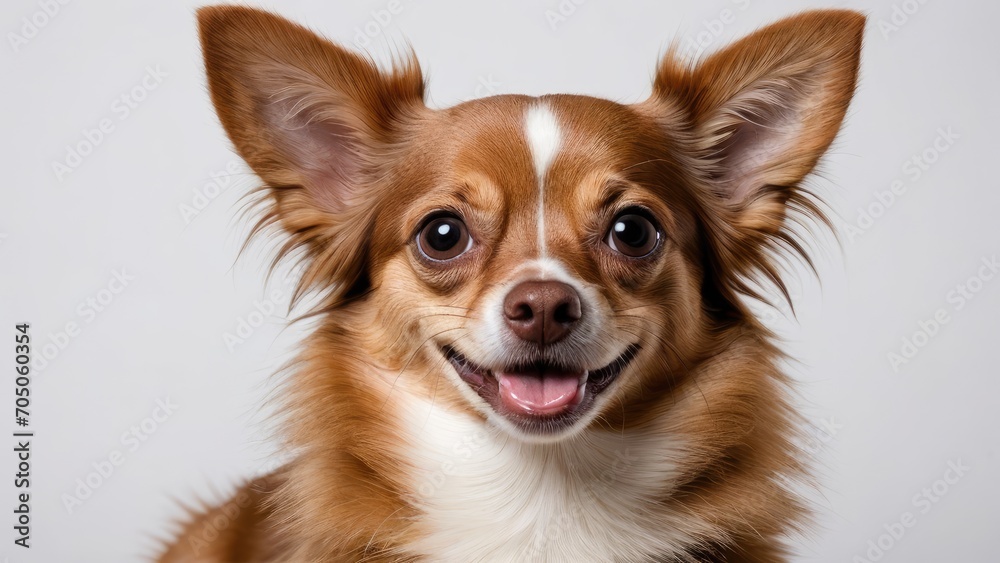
x=352, y=160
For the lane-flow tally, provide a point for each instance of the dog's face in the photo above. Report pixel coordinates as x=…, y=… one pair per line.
x=554, y=259
x=540, y=248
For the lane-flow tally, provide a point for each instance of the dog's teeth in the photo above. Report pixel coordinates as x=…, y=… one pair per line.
x=582, y=392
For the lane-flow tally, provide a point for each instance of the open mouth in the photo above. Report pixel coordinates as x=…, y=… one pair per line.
x=540, y=397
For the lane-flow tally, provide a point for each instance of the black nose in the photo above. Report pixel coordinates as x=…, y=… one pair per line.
x=542, y=312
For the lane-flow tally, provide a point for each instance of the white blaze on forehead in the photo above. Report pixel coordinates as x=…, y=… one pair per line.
x=544, y=137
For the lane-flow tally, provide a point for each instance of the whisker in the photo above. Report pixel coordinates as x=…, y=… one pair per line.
x=659, y=337
x=410, y=359
x=437, y=381
x=677, y=356
x=418, y=319
x=645, y=162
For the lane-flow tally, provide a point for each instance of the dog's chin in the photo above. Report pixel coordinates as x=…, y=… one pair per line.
x=541, y=400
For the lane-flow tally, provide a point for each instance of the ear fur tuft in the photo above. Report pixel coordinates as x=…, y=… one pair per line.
x=318, y=124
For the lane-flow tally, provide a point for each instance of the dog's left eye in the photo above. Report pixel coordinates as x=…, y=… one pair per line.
x=632, y=234
x=444, y=238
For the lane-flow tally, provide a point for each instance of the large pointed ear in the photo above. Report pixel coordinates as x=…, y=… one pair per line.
x=758, y=115
x=316, y=122
x=765, y=108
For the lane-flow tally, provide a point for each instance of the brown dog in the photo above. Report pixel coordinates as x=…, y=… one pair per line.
x=533, y=343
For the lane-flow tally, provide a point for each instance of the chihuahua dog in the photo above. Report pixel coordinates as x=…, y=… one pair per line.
x=533, y=336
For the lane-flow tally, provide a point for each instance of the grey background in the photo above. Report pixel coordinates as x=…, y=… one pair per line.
x=880, y=435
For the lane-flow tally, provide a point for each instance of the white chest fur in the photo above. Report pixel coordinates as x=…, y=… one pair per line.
x=488, y=497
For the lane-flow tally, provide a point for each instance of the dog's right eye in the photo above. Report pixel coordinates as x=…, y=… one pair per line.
x=443, y=238
x=633, y=234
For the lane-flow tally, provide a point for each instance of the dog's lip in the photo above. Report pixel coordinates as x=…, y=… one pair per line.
x=563, y=411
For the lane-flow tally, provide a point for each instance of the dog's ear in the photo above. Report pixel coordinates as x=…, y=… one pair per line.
x=316, y=122
x=761, y=112
x=767, y=107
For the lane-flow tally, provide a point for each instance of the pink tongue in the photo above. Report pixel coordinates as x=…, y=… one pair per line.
x=537, y=394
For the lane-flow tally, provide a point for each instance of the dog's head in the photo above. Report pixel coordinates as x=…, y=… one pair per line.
x=554, y=258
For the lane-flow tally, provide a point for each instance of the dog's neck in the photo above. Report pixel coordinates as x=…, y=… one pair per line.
x=488, y=497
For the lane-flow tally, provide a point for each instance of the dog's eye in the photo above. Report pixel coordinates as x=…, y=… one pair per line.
x=443, y=238
x=632, y=234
